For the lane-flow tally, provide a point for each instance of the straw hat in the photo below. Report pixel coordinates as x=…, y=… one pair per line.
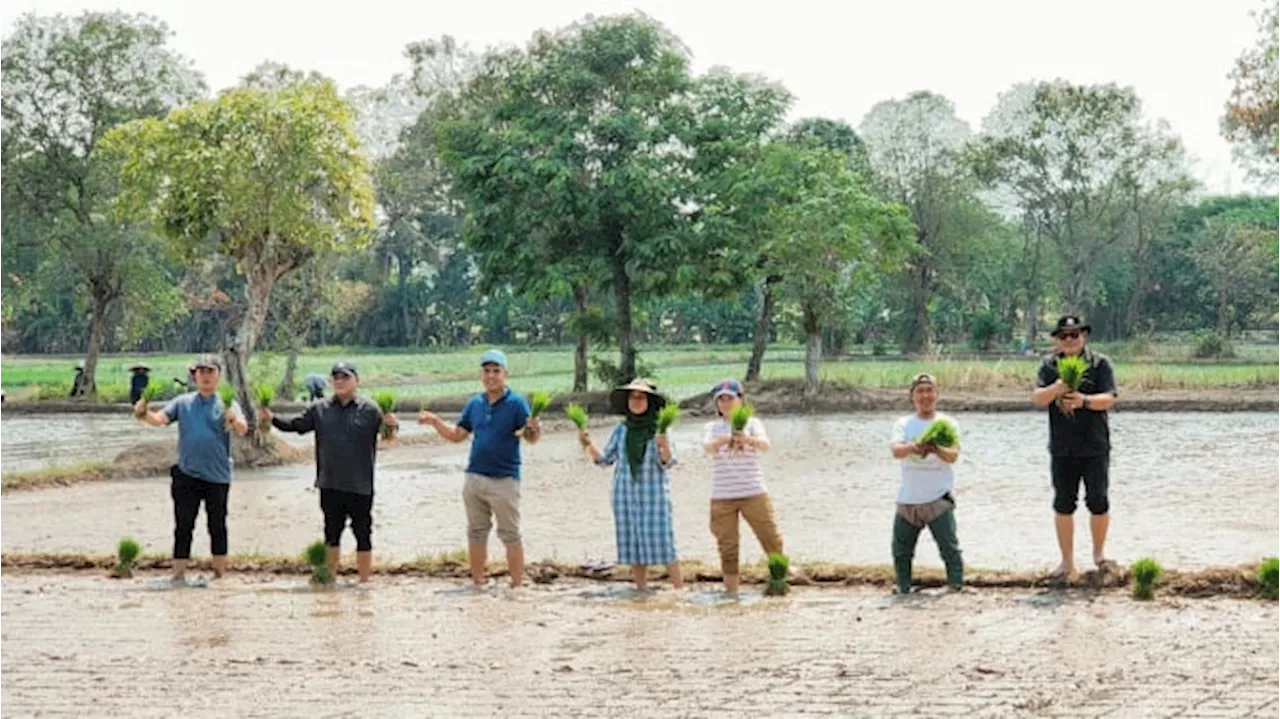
x=618, y=397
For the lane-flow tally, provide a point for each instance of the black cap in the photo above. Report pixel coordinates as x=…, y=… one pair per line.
x=344, y=367
x=207, y=361
x=1070, y=323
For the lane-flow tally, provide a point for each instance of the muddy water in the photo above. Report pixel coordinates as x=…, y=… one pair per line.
x=1189, y=489
x=253, y=646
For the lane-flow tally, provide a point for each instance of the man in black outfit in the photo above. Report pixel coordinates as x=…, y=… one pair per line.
x=1079, y=439
x=346, y=427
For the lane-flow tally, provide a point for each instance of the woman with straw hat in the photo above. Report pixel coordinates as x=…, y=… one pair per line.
x=641, y=493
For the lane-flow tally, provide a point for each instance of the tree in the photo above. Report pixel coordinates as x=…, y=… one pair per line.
x=1063, y=153
x=831, y=237
x=574, y=145
x=914, y=148
x=266, y=176
x=1239, y=262
x=1252, y=119
x=67, y=82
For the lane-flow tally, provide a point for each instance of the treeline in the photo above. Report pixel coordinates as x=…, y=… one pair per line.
x=589, y=188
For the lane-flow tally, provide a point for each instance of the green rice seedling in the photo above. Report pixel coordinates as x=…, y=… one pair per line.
x=264, y=394
x=778, y=566
x=127, y=553
x=152, y=391
x=577, y=415
x=739, y=417
x=1147, y=573
x=387, y=403
x=1071, y=371
x=939, y=433
x=667, y=417
x=228, y=395
x=317, y=555
x=1268, y=576
x=538, y=402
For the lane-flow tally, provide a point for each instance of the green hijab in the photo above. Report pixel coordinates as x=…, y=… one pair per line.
x=641, y=429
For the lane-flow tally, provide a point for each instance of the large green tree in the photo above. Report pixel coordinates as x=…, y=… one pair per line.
x=67, y=82
x=1252, y=119
x=267, y=175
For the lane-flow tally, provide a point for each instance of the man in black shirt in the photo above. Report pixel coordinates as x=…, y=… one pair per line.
x=1079, y=439
x=346, y=427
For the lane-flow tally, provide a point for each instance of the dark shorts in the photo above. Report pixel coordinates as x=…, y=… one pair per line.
x=1069, y=472
x=338, y=507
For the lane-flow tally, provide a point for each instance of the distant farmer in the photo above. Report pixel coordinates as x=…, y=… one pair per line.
x=1079, y=440
x=203, y=471
x=346, y=427
x=138, y=382
x=925, y=496
x=498, y=418
x=80, y=385
x=315, y=387
x=188, y=384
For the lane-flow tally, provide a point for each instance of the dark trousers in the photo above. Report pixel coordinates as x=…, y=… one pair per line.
x=905, y=536
x=188, y=492
x=1070, y=472
x=338, y=507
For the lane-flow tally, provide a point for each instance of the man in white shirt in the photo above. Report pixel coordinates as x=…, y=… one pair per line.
x=924, y=497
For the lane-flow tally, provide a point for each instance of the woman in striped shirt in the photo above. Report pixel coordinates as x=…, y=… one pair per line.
x=737, y=482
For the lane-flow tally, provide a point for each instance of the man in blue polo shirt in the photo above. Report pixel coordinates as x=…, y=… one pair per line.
x=497, y=418
x=203, y=471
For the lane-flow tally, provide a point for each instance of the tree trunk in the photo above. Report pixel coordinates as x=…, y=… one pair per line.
x=764, y=328
x=287, y=383
x=259, y=282
x=622, y=298
x=580, y=353
x=1033, y=287
x=97, y=328
x=406, y=318
x=812, y=351
x=916, y=332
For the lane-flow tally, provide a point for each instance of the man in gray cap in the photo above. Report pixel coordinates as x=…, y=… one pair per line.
x=346, y=427
x=497, y=418
x=203, y=471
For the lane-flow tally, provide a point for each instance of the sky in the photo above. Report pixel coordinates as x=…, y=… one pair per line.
x=838, y=58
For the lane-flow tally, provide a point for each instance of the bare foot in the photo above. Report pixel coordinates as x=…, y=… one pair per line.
x=1062, y=574
x=1104, y=564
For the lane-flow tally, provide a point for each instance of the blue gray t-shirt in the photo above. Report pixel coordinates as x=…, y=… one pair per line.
x=495, y=447
x=204, y=444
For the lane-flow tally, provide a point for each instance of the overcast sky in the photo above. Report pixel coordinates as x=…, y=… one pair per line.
x=838, y=62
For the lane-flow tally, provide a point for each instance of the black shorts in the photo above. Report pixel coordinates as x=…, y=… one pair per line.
x=338, y=506
x=1069, y=472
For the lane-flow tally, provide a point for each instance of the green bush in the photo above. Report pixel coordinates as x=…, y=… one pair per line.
x=1269, y=577
x=984, y=329
x=1147, y=574
x=1211, y=345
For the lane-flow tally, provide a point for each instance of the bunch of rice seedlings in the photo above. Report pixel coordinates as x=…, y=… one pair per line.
x=126, y=555
x=538, y=402
x=264, y=394
x=149, y=395
x=939, y=433
x=667, y=417
x=317, y=555
x=1147, y=573
x=1071, y=371
x=228, y=395
x=778, y=566
x=739, y=417
x=1269, y=577
x=387, y=403
x=577, y=415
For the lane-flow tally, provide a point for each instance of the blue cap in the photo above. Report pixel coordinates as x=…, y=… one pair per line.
x=494, y=357
x=727, y=387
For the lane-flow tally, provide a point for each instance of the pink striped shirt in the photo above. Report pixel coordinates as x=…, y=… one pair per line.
x=735, y=475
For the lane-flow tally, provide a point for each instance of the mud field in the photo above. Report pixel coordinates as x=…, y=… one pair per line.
x=264, y=646
x=1209, y=499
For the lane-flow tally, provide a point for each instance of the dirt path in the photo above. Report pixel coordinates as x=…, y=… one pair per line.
x=260, y=646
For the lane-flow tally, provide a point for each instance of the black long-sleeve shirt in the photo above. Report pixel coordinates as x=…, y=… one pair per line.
x=346, y=441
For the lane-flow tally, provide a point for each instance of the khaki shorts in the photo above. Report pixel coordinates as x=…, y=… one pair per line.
x=488, y=499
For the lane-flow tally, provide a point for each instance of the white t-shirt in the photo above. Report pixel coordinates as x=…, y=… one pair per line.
x=735, y=474
x=924, y=479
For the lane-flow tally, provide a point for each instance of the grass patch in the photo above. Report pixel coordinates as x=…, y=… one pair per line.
x=1269, y=578
x=56, y=476
x=1147, y=575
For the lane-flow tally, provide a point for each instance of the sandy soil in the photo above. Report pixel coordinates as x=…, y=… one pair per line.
x=266, y=647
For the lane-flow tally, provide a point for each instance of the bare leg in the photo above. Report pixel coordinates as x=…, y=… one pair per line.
x=677, y=576
x=180, y=568
x=1098, y=524
x=219, y=566
x=477, y=553
x=335, y=558
x=515, y=563
x=640, y=575
x=731, y=583
x=364, y=565
x=1065, y=526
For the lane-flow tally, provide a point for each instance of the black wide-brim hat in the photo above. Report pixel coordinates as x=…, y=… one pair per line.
x=618, y=397
x=1070, y=323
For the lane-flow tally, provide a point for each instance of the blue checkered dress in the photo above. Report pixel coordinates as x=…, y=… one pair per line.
x=641, y=505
